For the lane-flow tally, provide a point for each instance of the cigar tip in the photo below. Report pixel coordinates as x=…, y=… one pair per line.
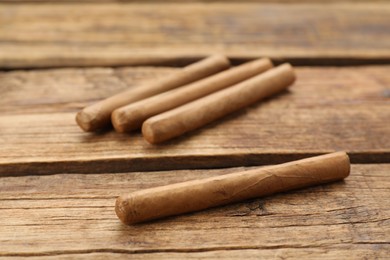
x=288, y=67
x=148, y=132
x=218, y=56
x=338, y=163
x=118, y=120
x=267, y=61
x=347, y=163
x=225, y=62
x=127, y=119
x=261, y=64
x=84, y=121
x=120, y=209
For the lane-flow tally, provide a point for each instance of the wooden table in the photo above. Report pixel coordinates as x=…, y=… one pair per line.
x=58, y=184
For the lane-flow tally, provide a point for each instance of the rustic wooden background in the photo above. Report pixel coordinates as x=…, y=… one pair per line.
x=58, y=184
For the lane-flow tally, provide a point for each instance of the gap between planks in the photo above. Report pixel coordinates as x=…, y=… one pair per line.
x=206, y=161
x=191, y=1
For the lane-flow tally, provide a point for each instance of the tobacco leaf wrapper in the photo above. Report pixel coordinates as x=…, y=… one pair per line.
x=201, y=194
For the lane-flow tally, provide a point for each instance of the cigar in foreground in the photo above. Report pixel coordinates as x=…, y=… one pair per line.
x=202, y=111
x=174, y=199
x=98, y=115
x=131, y=117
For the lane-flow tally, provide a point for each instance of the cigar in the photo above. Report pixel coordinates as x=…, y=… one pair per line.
x=132, y=116
x=201, y=194
x=202, y=111
x=98, y=115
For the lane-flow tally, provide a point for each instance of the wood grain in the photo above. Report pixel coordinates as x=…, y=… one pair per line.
x=190, y=1
x=327, y=109
x=113, y=34
x=71, y=215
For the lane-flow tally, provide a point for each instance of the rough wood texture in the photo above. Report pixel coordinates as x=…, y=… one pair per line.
x=118, y=34
x=72, y=215
x=327, y=109
x=181, y=1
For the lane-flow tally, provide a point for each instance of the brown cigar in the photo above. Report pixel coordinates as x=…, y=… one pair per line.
x=207, y=109
x=196, y=195
x=98, y=115
x=132, y=116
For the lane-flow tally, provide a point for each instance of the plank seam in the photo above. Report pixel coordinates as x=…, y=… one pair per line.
x=179, y=250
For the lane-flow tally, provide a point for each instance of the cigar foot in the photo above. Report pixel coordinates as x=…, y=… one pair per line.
x=123, y=121
x=150, y=133
x=118, y=119
x=92, y=118
x=85, y=121
x=121, y=211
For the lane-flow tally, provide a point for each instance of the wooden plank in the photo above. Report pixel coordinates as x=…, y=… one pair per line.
x=72, y=215
x=327, y=109
x=336, y=252
x=190, y=1
x=352, y=252
x=58, y=35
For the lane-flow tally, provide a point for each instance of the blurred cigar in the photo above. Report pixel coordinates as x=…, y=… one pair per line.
x=132, y=116
x=98, y=115
x=195, y=114
x=196, y=195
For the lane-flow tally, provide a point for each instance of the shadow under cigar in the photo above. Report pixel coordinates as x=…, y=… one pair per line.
x=98, y=135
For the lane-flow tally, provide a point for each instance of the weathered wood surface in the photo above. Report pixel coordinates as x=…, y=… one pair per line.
x=181, y=1
x=70, y=215
x=327, y=109
x=92, y=34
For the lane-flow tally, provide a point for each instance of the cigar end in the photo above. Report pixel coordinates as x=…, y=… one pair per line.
x=347, y=163
x=93, y=118
x=221, y=60
x=126, y=119
x=121, y=209
x=84, y=120
x=291, y=70
x=336, y=166
x=118, y=120
x=126, y=211
x=264, y=63
x=149, y=133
